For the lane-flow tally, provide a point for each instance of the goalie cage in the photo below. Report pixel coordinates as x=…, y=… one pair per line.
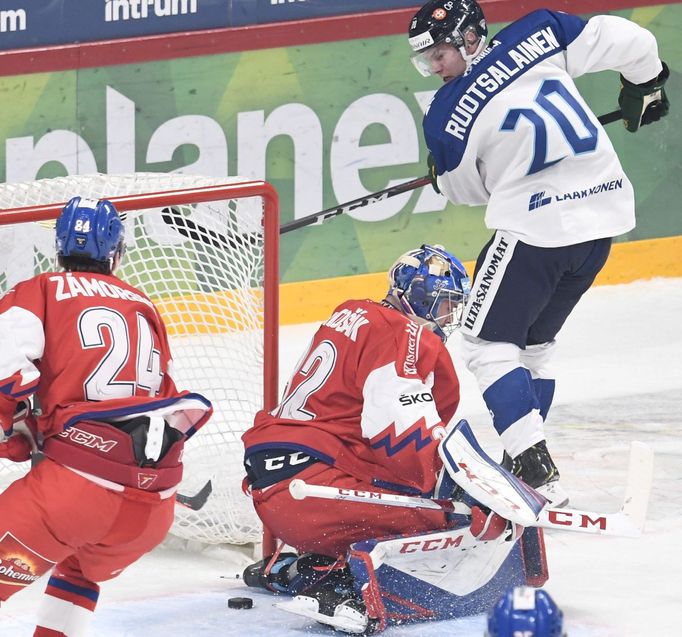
x=205, y=250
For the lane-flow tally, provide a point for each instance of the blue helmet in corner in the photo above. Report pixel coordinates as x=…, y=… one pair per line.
x=89, y=229
x=431, y=283
x=523, y=610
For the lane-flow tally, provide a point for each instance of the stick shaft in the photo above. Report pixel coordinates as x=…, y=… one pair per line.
x=392, y=191
x=620, y=524
x=360, y=202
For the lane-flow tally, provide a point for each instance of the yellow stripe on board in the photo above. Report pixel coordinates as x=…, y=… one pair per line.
x=210, y=313
x=308, y=301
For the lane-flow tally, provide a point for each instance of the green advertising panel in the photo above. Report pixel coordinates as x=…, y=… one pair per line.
x=324, y=123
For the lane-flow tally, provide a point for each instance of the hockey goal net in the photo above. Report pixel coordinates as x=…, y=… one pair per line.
x=206, y=252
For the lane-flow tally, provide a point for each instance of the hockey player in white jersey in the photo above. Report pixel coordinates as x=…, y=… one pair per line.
x=510, y=130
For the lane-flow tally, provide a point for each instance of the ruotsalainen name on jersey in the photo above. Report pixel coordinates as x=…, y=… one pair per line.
x=486, y=83
x=513, y=51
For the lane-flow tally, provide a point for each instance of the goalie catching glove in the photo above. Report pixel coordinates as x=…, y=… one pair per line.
x=17, y=442
x=645, y=103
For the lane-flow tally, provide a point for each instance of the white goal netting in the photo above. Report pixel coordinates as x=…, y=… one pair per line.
x=205, y=251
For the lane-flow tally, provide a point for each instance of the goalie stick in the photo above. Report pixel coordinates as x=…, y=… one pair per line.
x=196, y=501
x=627, y=522
x=192, y=230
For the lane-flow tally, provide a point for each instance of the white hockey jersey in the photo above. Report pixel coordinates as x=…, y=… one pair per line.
x=514, y=132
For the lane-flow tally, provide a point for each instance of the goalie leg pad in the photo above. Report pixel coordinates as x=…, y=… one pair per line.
x=437, y=576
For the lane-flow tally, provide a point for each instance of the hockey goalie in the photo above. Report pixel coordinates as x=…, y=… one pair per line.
x=365, y=414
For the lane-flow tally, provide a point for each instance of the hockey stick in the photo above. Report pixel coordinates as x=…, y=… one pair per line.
x=192, y=230
x=360, y=202
x=375, y=197
x=627, y=522
x=196, y=501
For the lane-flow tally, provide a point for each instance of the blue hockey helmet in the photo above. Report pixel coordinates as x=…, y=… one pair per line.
x=89, y=229
x=432, y=284
x=523, y=610
x=444, y=21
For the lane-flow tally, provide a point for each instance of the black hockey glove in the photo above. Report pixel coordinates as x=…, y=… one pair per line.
x=433, y=172
x=643, y=104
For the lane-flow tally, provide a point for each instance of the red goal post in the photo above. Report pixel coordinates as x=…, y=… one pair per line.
x=206, y=251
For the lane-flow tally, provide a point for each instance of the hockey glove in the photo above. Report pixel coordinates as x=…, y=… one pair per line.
x=433, y=172
x=16, y=445
x=487, y=525
x=643, y=104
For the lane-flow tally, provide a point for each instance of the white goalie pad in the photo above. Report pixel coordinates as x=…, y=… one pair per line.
x=487, y=481
x=454, y=561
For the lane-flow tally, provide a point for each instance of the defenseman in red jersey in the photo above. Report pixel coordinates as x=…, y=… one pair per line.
x=111, y=425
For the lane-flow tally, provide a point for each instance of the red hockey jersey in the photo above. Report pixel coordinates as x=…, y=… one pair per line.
x=89, y=346
x=371, y=396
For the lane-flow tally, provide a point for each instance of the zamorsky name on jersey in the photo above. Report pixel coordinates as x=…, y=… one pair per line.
x=538, y=199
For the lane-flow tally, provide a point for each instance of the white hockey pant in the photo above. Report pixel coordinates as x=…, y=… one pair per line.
x=516, y=385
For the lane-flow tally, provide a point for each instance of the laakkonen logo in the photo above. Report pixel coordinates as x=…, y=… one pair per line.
x=538, y=199
x=124, y=10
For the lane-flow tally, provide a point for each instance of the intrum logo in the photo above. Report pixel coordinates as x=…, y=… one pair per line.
x=115, y=10
x=12, y=20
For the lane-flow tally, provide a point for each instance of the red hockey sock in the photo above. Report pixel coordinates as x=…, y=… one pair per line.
x=67, y=607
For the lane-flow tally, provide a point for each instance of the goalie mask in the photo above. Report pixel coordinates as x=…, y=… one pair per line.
x=525, y=611
x=432, y=284
x=89, y=229
x=445, y=22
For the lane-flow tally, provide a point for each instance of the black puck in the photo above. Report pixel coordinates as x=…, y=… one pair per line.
x=240, y=602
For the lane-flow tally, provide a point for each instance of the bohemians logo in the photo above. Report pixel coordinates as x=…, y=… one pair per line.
x=20, y=565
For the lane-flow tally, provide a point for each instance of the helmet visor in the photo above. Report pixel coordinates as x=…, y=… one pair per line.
x=447, y=310
x=428, y=60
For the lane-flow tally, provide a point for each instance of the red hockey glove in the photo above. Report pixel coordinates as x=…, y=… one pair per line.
x=18, y=443
x=489, y=526
x=16, y=448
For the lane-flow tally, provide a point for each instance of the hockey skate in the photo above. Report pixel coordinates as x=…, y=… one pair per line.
x=537, y=469
x=322, y=587
x=337, y=607
x=292, y=574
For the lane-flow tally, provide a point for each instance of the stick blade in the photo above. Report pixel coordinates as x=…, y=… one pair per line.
x=197, y=501
x=638, y=487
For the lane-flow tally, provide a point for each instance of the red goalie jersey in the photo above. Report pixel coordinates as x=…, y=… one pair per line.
x=369, y=397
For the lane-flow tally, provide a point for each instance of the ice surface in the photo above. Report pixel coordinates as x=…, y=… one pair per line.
x=619, y=371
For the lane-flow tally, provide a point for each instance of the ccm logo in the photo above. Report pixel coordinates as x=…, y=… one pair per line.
x=370, y=495
x=86, y=439
x=434, y=544
x=279, y=462
x=580, y=520
x=411, y=399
